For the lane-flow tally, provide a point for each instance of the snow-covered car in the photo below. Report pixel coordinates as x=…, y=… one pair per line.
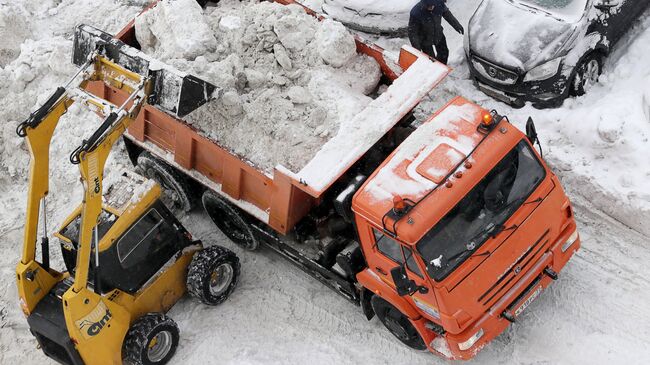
x=372, y=16
x=544, y=50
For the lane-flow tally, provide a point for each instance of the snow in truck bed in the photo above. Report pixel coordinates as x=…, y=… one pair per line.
x=286, y=83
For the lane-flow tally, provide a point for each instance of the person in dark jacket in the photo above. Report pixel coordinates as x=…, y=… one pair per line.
x=425, y=28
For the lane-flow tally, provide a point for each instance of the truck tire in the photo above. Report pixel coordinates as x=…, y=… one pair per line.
x=230, y=221
x=176, y=190
x=397, y=323
x=151, y=340
x=213, y=275
x=586, y=74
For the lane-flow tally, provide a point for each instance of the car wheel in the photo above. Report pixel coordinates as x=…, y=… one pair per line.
x=587, y=74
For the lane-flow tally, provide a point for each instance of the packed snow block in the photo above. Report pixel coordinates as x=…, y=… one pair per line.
x=14, y=30
x=335, y=45
x=178, y=26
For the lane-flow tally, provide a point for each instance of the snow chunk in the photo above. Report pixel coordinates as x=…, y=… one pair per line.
x=177, y=27
x=335, y=45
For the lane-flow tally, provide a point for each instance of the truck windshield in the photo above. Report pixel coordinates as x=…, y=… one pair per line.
x=482, y=212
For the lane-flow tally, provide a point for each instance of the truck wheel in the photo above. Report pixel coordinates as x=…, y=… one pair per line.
x=397, y=323
x=587, y=74
x=176, y=191
x=213, y=275
x=151, y=340
x=230, y=221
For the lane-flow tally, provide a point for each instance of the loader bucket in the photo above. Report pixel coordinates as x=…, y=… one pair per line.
x=173, y=91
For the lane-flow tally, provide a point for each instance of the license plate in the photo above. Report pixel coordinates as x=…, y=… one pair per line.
x=530, y=299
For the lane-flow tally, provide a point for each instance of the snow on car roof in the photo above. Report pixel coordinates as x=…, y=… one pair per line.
x=356, y=137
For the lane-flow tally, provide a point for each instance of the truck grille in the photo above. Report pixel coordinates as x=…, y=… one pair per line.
x=494, y=72
x=520, y=266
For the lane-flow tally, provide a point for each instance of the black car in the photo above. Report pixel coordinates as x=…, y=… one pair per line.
x=544, y=50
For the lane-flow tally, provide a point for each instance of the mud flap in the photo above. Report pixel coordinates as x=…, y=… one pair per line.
x=174, y=91
x=366, y=307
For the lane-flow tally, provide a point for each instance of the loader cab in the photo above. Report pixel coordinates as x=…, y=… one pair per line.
x=137, y=235
x=454, y=224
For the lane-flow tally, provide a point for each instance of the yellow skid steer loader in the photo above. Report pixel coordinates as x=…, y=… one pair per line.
x=128, y=259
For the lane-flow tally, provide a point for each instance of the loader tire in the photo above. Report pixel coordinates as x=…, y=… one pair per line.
x=397, y=323
x=176, y=190
x=230, y=221
x=213, y=275
x=151, y=340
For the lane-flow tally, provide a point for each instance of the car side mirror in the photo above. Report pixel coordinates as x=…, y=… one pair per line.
x=403, y=284
x=606, y=6
x=531, y=130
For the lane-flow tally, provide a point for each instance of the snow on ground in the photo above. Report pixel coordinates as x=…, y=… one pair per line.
x=596, y=313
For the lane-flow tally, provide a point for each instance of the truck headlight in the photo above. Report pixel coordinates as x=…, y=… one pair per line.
x=471, y=341
x=569, y=242
x=544, y=71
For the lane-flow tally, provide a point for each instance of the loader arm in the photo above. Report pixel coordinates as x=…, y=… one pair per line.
x=36, y=279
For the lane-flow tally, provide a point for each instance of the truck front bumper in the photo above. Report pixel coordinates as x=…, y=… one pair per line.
x=467, y=344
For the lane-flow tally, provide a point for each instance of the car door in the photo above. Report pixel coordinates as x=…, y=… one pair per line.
x=391, y=254
x=619, y=17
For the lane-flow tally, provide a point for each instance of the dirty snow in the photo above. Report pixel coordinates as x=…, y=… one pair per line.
x=596, y=312
x=286, y=82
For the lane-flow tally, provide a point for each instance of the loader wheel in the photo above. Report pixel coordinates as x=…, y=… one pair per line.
x=230, y=221
x=397, y=323
x=213, y=274
x=176, y=191
x=151, y=340
x=586, y=75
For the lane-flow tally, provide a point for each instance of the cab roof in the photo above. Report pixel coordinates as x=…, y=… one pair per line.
x=127, y=191
x=427, y=159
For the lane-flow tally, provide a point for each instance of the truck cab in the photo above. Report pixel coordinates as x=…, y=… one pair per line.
x=462, y=227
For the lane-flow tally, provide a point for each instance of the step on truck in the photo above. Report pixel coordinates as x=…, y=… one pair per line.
x=446, y=231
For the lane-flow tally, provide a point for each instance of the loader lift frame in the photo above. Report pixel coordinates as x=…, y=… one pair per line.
x=75, y=321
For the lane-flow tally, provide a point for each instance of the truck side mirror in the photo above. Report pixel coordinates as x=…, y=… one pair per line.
x=531, y=130
x=403, y=284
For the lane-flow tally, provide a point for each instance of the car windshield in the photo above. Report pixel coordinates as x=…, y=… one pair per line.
x=568, y=10
x=482, y=212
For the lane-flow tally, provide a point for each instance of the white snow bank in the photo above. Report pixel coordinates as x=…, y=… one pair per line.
x=14, y=29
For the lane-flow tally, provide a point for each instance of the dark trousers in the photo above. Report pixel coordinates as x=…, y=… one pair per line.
x=442, y=51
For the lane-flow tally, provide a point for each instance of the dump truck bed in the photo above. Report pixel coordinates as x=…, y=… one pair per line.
x=281, y=198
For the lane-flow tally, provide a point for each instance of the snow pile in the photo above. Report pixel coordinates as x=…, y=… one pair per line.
x=14, y=30
x=285, y=81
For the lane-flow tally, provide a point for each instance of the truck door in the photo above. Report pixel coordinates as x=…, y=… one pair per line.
x=389, y=254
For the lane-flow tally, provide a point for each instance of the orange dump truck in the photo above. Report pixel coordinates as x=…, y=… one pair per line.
x=446, y=231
